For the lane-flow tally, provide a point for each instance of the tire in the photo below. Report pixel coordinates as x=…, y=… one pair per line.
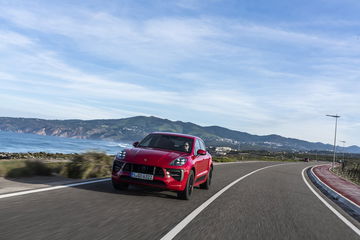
x=120, y=186
x=186, y=194
x=206, y=185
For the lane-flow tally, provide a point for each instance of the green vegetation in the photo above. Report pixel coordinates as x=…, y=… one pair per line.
x=88, y=165
x=19, y=168
x=349, y=170
x=236, y=158
x=225, y=159
x=83, y=166
x=95, y=165
x=259, y=156
x=263, y=155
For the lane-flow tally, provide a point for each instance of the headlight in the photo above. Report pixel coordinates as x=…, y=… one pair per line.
x=179, y=161
x=120, y=156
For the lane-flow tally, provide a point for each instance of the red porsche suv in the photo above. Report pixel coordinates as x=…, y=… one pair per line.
x=171, y=161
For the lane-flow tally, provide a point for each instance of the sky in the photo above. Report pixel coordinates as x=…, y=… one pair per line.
x=260, y=66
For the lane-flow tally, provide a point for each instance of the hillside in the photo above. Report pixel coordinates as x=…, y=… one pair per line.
x=135, y=128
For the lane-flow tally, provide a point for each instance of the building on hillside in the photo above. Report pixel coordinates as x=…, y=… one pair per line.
x=222, y=150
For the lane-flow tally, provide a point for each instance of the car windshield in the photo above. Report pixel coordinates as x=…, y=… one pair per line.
x=169, y=142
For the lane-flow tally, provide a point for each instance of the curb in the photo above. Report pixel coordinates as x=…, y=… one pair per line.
x=351, y=208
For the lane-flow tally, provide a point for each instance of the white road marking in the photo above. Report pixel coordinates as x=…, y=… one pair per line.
x=181, y=225
x=342, y=218
x=7, y=195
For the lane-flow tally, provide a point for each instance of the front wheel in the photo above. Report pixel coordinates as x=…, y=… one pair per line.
x=186, y=194
x=206, y=185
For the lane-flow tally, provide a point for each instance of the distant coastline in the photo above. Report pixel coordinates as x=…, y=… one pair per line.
x=11, y=142
x=132, y=129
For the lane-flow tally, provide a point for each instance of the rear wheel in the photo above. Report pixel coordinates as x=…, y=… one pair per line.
x=206, y=185
x=120, y=186
x=186, y=194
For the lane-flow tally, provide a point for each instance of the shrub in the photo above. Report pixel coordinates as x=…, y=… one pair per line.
x=24, y=169
x=225, y=159
x=349, y=170
x=88, y=165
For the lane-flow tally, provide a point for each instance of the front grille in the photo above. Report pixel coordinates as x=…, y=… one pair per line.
x=136, y=180
x=142, y=169
x=159, y=172
x=132, y=167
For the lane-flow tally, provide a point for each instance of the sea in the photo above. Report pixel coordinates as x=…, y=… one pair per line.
x=25, y=142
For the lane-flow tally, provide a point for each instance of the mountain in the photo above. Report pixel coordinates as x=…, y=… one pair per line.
x=135, y=128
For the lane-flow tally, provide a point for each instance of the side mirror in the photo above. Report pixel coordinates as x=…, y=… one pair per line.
x=135, y=144
x=201, y=152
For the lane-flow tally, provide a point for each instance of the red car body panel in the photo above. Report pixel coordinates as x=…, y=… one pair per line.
x=158, y=160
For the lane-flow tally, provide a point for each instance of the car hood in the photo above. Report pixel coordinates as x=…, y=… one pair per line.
x=151, y=156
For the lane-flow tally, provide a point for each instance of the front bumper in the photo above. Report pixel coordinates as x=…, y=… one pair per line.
x=165, y=178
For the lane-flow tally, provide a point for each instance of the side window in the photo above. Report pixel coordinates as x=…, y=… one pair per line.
x=202, y=145
x=146, y=141
x=197, y=146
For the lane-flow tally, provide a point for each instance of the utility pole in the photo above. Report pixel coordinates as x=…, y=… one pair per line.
x=334, y=157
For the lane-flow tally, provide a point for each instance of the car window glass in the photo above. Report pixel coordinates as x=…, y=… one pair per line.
x=169, y=142
x=197, y=146
x=202, y=145
x=146, y=141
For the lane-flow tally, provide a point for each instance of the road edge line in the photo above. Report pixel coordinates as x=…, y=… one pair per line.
x=7, y=195
x=339, y=215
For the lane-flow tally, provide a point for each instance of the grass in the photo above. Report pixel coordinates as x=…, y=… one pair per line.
x=236, y=158
x=92, y=164
x=82, y=166
x=19, y=168
x=88, y=165
x=225, y=159
x=350, y=171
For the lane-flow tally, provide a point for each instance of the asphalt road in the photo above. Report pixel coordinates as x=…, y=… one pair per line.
x=273, y=203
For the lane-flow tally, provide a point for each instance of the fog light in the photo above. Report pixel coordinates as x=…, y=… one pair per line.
x=177, y=174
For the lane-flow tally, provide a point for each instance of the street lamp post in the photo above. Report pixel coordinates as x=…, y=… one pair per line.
x=336, y=118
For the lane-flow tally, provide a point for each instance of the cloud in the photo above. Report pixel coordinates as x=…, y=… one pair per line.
x=8, y=39
x=49, y=109
x=266, y=78
x=67, y=80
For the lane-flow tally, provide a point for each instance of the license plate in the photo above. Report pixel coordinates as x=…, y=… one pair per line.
x=142, y=176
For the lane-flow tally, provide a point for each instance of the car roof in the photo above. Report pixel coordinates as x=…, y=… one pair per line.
x=176, y=134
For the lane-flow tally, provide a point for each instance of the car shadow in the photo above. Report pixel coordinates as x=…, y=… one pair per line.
x=133, y=190
x=30, y=183
x=146, y=191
